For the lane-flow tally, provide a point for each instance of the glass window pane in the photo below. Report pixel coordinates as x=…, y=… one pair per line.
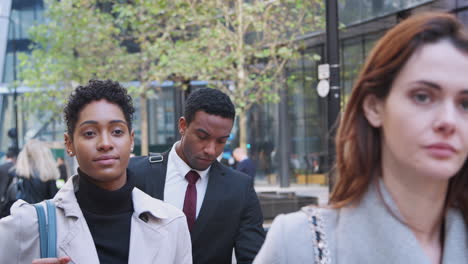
x=352, y=59
x=355, y=11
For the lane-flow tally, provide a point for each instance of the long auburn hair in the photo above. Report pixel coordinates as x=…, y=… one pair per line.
x=358, y=145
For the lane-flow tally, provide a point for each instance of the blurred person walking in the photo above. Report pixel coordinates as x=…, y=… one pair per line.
x=33, y=178
x=5, y=179
x=243, y=162
x=402, y=147
x=62, y=169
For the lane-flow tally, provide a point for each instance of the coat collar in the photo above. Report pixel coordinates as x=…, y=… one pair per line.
x=371, y=223
x=146, y=232
x=456, y=238
x=142, y=202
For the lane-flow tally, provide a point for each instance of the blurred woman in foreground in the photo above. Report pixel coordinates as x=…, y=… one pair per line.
x=402, y=147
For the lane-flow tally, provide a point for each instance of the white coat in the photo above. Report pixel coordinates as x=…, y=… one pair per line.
x=159, y=232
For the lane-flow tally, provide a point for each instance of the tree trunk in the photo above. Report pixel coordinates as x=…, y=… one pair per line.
x=144, y=125
x=241, y=73
x=243, y=130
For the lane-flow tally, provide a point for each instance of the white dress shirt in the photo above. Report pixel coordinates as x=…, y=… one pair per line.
x=176, y=184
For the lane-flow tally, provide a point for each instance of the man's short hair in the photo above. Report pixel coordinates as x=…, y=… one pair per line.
x=211, y=101
x=96, y=90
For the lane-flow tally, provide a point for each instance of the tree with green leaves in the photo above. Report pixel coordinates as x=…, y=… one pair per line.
x=104, y=39
x=243, y=46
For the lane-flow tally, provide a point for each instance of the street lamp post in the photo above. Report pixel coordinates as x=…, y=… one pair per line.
x=15, y=94
x=334, y=100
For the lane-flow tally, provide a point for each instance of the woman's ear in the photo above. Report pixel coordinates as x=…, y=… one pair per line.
x=68, y=145
x=132, y=138
x=373, y=110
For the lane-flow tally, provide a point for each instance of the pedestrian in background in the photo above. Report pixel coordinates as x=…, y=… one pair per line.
x=243, y=162
x=402, y=147
x=101, y=216
x=5, y=168
x=221, y=204
x=33, y=179
x=62, y=169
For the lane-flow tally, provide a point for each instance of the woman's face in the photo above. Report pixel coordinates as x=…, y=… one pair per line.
x=102, y=144
x=424, y=119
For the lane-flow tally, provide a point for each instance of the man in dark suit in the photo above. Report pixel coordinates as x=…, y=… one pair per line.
x=244, y=163
x=222, y=208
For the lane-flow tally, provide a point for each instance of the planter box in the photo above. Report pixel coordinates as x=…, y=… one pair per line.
x=311, y=179
x=273, y=204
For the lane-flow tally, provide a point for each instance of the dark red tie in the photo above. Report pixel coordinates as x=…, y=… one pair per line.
x=190, y=202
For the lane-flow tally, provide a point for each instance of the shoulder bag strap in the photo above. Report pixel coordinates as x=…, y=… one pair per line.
x=321, y=252
x=158, y=162
x=42, y=229
x=52, y=231
x=47, y=229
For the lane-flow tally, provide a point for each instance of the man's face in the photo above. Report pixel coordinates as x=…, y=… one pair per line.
x=203, y=139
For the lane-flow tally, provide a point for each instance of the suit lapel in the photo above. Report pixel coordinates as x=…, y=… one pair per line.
x=214, y=190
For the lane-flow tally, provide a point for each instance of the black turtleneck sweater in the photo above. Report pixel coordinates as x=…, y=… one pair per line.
x=108, y=215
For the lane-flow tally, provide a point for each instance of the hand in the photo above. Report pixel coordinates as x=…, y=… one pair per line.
x=62, y=260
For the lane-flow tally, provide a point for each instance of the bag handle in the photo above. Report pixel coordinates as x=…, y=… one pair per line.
x=47, y=229
x=321, y=252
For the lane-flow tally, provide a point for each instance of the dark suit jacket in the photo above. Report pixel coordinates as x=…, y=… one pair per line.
x=230, y=216
x=247, y=166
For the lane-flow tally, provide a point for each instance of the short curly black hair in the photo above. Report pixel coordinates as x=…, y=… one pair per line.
x=96, y=90
x=211, y=101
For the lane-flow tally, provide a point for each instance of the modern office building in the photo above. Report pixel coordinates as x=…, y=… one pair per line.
x=16, y=17
x=304, y=112
x=364, y=22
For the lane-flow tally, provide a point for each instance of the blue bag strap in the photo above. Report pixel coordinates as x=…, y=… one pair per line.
x=47, y=229
x=42, y=229
x=52, y=231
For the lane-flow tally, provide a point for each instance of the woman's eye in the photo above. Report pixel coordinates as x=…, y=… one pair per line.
x=118, y=132
x=88, y=133
x=464, y=105
x=422, y=98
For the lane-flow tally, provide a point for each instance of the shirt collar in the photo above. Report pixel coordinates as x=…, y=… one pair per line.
x=182, y=167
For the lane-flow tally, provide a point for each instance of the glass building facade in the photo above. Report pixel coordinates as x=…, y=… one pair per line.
x=16, y=17
x=364, y=21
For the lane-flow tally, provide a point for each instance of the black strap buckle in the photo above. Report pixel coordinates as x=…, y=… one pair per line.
x=155, y=157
